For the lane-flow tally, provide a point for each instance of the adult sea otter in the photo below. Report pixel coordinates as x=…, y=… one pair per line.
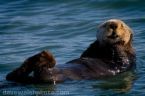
x=110, y=54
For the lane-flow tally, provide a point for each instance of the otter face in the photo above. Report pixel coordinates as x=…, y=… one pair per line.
x=114, y=31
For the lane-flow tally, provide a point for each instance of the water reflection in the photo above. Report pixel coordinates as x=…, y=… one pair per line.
x=121, y=83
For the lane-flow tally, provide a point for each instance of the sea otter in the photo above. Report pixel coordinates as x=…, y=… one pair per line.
x=110, y=54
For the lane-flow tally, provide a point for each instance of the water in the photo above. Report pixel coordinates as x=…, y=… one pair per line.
x=67, y=27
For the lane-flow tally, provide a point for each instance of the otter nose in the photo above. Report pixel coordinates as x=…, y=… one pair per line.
x=113, y=35
x=113, y=26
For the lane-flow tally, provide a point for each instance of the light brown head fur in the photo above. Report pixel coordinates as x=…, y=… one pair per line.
x=114, y=31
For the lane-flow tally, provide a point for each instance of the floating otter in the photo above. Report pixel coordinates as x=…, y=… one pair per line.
x=111, y=54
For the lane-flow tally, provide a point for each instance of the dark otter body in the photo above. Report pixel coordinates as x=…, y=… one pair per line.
x=98, y=61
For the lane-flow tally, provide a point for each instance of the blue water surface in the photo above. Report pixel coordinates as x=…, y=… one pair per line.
x=66, y=28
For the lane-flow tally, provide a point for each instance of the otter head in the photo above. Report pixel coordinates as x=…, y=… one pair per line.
x=114, y=31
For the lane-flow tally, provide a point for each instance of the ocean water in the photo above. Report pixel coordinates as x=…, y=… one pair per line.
x=66, y=28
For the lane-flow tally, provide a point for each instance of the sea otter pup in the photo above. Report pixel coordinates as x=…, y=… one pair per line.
x=111, y=54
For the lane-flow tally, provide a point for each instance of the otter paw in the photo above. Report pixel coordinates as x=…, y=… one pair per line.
x=45, y=59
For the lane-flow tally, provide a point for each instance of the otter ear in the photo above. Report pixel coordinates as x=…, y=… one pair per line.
x=131, y=33
x=131, y=38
